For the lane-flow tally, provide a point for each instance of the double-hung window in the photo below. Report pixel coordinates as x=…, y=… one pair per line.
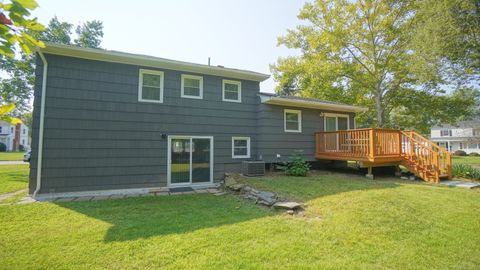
x=445, y=132
x=150, y=86
x=232, y=91
x=240, y=147
x=292, y=120
x=192, y=86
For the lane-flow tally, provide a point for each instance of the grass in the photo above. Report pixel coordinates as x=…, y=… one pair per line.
x=466, y=160
x=13, y=177
x=4, y=156
x=350, y=222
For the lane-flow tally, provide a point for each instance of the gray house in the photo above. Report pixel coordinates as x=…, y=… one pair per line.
x=107, y=120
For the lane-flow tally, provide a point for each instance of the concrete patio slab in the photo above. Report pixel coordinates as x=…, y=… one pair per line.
x=460, y=184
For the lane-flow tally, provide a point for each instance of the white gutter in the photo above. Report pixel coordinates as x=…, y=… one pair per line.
x=150, y=61
x=274, y=100
x=42, y=120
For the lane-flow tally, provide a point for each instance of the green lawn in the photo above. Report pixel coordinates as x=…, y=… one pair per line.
x=11, y=156
x=466, y=160
x=13, y=177
x=350, y=223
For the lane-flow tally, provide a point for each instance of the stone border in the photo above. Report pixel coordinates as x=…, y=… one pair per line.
x=265, y=198
x=76, y=197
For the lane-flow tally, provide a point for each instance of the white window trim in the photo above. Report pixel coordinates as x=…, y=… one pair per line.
x=140, y=85
x=187, y=76
x=239, y=100
x=299, y=113
x=336, y=115
x=248, y=147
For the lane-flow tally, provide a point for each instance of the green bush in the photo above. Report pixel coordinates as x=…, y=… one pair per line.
x=22, y=148
x=466, y=171
x=296, y=166
x=474, y=154
x=460, y=153
x=3, y=147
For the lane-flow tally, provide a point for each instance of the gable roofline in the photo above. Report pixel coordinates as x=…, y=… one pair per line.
x=310, y=103
x=150, y=61
x=473, y=123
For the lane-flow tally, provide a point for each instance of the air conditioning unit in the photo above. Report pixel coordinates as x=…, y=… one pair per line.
x=253, y=168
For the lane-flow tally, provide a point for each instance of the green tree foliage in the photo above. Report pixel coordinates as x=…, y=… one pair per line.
x=452, y=29
x=57, y=32
x=89, y=34
x=361, y=52
x=17, y=86
x=16, y=27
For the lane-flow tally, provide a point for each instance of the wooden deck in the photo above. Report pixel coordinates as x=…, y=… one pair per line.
x=379, y=147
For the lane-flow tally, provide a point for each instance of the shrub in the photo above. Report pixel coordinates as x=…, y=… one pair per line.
x=474, y=154
x=460, y=153
x=22, y=148
x=3, y=147
x=466, y=171
x=296, y=166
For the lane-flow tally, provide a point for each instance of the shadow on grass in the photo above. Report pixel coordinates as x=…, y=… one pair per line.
x=145, y=217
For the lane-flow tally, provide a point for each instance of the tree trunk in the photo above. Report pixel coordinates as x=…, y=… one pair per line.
x=379, y=108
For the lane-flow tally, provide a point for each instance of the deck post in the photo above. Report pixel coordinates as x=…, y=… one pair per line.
x=398, y=172
x=369, y=175
x=371, y=142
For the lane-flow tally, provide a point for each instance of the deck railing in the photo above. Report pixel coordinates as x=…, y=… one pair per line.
x=359, y=143
x=377, y=145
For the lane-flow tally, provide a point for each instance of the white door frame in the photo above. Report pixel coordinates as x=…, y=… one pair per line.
x=169, y=160
x=336, y=116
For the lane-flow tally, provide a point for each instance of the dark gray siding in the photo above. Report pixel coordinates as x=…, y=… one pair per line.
x=98, y=136
x=273, y=140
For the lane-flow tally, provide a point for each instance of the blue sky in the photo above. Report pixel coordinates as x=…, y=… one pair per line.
x=238, y=34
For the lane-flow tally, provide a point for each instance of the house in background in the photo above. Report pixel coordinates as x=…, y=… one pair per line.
x=14, y=135
x=115, y=120
x=463, y=136
x=111, y=121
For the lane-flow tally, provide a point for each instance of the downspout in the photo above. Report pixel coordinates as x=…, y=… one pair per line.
x=42, y=119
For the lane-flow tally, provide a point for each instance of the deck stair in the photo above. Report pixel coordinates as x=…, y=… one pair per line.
x=376, y=147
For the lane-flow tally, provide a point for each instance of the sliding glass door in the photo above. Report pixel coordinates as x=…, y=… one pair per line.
x=190, y=160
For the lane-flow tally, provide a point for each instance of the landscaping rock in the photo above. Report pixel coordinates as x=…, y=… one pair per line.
x=264, y=203
x=219, y=193
x=230, y=180
x=287, y=205
x=269, y=198
x=237, y=187
x=290, y=212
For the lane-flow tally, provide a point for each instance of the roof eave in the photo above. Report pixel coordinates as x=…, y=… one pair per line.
x=312, y=105
x=150, y=61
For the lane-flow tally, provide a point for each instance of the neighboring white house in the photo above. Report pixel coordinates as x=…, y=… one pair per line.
x=8, y=134
x=464, y=136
